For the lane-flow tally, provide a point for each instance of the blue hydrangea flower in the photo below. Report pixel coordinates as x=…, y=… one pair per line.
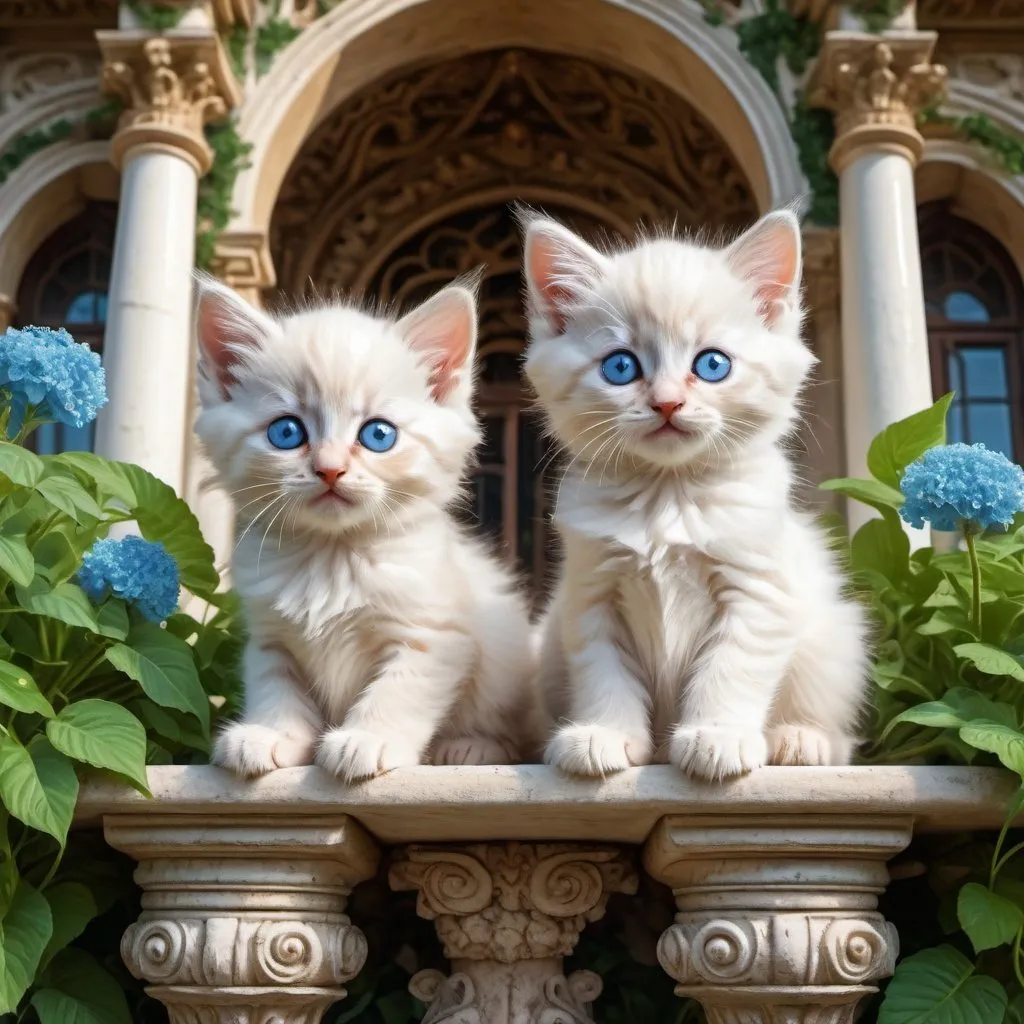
x=136, y=570
x=49, y=370
x=962, y=482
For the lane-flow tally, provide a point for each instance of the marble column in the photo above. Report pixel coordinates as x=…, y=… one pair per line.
x=777, y=919
x=507, y=914
x=877, y=85
x=171, y=85
x=243, y=920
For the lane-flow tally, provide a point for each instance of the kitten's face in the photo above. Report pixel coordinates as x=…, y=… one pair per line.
x=667, y=354
x=335, y=420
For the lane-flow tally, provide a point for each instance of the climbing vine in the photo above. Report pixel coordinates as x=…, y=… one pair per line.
x=213, y=206
x=1004, y=147
x=878, y=15
x=156, y=17
x=273, y=35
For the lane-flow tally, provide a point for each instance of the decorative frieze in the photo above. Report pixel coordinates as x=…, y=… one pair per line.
x=243, y=920
x=777, y=920
x=507, y=913
x=877, y=87
x=171, y=86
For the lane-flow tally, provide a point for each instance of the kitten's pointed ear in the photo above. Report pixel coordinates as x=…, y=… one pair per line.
x=560, y=270
x=443, y=331
x=768, y=256
x=225, y=326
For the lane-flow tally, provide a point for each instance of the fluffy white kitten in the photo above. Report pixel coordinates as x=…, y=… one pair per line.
x=344, y=438
x=699, y=617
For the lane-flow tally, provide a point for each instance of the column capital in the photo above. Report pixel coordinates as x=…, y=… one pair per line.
x=877, y=85
x=243, y=917
x=777, y=920
x=242, y=261
x=507, y=913
x=171, y=86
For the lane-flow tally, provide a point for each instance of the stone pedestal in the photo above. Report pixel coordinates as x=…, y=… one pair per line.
x=507, y=915
x=244, y=920
x=777, y=920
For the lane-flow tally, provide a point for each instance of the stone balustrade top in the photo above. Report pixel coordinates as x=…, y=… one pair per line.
x=534, y=802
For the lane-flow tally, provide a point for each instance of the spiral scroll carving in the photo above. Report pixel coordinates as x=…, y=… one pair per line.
x=858, y=951
x=569, y=997
x=724, y=950
x=158, y=950
x=451, y=1000
x=565, y=886
x=288, y=952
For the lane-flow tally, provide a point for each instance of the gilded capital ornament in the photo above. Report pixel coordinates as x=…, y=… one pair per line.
x=171, y=86
x=507, y=913
x=877, y=86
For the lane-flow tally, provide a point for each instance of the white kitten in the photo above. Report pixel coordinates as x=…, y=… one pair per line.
x=344, y=437
x=699, y=618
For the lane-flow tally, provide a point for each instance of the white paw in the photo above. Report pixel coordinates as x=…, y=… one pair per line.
x=595, y=750
x=354, y=754
x=799, y=745
x=251, y=750
x=474, y=750
x=715, y=752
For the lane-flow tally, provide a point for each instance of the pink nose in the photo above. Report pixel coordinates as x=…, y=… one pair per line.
x=667, y=409
x=330, y=474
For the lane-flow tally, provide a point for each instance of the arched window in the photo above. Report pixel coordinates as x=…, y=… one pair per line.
x=974, y=305
x=65, y=285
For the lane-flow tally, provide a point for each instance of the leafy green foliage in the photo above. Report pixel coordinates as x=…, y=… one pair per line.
x=157, y=17
x=947, y=688
x=1005, y=147
x=878, y=15
x=86, y=688
x=213, y=208
x=271, y=37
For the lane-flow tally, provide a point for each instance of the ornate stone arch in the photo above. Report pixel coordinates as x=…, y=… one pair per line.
x=412, y=183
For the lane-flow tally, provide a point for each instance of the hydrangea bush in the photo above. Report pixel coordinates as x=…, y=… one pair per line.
x=100, y=673
x=948, y=688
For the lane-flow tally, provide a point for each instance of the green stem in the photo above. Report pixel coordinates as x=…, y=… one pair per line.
x=972, y=554
x=1016, y=956
x=1001, y=863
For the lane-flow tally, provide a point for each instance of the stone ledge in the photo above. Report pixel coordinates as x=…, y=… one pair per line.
x=533, y=802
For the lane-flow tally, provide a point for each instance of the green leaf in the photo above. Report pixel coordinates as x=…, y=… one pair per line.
x=991, y=660
x=72, y=907
x=988, y=919
x=80, y=991
x=56, y=555
x=109, y=480
x=163, y=516
x=164, y=667
x=24, y=933
x=112, y=617
x=38, y=786
x=65, y=602
x=18, y=690
x=882, y=546
x=900, y=444
x=869, y=492
x=19, y=465
x=16, y=560
x=958, y=707
x=104, y=735
x=64, y=492
x=939, y=986
x=1005, y=742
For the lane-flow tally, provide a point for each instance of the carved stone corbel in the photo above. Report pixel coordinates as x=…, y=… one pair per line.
x=507, y=914
x=243, y=918
x=777, y=920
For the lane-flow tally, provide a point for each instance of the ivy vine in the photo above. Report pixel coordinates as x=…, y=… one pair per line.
x=1004, y=147
x=213, y=206
x=155, y=16
x=878, y=15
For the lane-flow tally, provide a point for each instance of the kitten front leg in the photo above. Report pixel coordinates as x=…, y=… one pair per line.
x=727, y=700
x=608, y=728
x=400, y=712
x=280, y=723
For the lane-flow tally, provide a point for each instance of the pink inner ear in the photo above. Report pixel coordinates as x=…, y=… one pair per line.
x=542, y=262
x=444, y=332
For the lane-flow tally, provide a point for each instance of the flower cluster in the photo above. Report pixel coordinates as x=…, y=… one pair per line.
x=49, y=372
x=961, y=483
x=135, y=570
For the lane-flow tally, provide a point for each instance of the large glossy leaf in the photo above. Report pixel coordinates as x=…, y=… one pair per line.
x=1005, y=742
x=18, y=690
x=15, y=559
x=990, y=920
x=164, y=667
x=19, y=465
x=881, y=546
x=112, y=617
x=24, y=933
x=107, y=477
x=72, y=907
x=958, y=707
x=869, y=492
x=65, y=602
x=38, y=786
x=64, y=492
x=163, y=516
x=80, y=991
x=939, y=986
x=104, y=735
x=901, y=443
x=991, y=660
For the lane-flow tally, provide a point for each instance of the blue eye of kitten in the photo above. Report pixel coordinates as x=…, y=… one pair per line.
x=378, y=435
x=712, y=365
x=621, y=367
x=287, y=432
